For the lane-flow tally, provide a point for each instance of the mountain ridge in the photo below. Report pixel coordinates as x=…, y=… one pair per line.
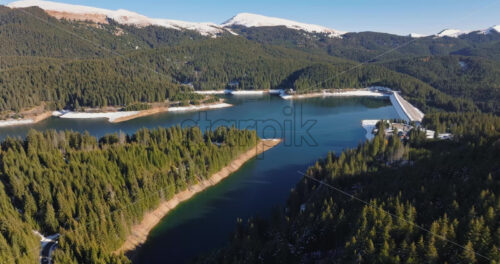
x=244, y=19
x=122, y=16
x=255, y=20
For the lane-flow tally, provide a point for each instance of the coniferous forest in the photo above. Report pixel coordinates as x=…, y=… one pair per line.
x=92, y=190
x=387, y=201
x=94, y=66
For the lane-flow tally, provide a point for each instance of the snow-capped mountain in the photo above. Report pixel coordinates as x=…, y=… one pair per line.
x=99, y=15
x=491, y=30
x=254, y=20
x=452, y=33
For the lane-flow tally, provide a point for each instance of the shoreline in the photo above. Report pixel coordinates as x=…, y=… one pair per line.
x=353, y=92
x=198, y=107
x=122, y=116
x=404, y=109
x=239, y=92
x=26, y=121
x=139, y=232
x=369, y=125
x=112, y=116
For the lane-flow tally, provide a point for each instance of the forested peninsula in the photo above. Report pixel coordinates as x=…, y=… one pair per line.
x=91, y=191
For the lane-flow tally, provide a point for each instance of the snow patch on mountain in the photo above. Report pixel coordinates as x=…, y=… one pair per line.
x=254, y=20
x=78, y=12
x=452, y=33
x=205, y=29
x=416, y=35
x=491, y=30
x=61, y=7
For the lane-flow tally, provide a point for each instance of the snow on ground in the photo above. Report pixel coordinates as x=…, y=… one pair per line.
x=369, y=125
x=99, y=15
x=121, y=16
x=198, y=107
x=232, y=32
x=462, y=64
x=46, y=241
x=111, y=116
x=210, y=92
x=354, y=93
x=491, y=30
x=254, y=20
x=248, y=92
x=238, y=92
x=452, y=33
x=60, y=113
x=204, y=28
x=15, y=122
x=416, y=35
x=276, y=91
x=61, y=7
x=132, y=18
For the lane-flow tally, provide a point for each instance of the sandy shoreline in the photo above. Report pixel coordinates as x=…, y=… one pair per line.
x=139, y=232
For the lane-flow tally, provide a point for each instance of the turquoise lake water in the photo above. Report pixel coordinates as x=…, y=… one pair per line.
x=310, y=128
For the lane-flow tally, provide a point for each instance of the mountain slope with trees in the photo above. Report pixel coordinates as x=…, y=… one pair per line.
x=462, y=77
x=71, y=64
x=92, y=190
x=367, y=46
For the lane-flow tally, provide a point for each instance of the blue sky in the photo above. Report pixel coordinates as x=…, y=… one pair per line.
x=393, y=16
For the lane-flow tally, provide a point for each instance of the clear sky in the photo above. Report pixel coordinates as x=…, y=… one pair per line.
x=393, y=16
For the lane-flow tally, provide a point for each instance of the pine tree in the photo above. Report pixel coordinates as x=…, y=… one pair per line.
x=468, y=255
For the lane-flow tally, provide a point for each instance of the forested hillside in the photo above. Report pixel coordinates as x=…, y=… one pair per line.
x=427, y=201
x=388, y=202
x=392, y=201
x=367, y=46
x=325, y=76
x=92, y=190
x=69, y=64
x=32, y=32
x=463, y=77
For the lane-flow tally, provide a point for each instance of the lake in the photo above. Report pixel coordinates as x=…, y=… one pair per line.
x=310, y=128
